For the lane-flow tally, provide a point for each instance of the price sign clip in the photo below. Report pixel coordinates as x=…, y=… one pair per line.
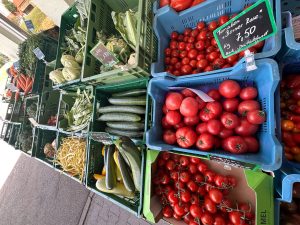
x=250, y=61
x=40, y=55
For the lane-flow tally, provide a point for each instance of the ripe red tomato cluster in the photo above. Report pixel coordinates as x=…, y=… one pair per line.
x=196, y=50
x=230, y=121
x=180, y=5
x=190, y=191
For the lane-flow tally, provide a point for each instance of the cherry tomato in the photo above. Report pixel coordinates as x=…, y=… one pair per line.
x=177, y=217
x=185, y=61
x=202, y=36
x=235, y=217
x=200, y=25
x=214, y=126
x=247, y=106
x=232, y=59
x=191, y=40
x=174, y=35
x=174, y=175
x=256, y=117
x=200, y=45
x=168, y=211
x=180, y=37
x=221, y=181
x=230, y=120
x=196, y=211
x=186, y=137
x=202, y=64
x=169, y=137
x=219, y=220
x=186, y=69
x=173, y=44
x=176, y=73
x=192, y=186
x=212, y=56
x=172, y=197
x=202, y=167
x=173, y=100
x=225, y=133
x=193, y=63
x=208, y=69
x=184, y=177
x=183, y=54
x=200, y=56
x=198, y=177
x=189, y=107
x=210, y=48
x=248, y=93
x=165, y=123
x=246, y=207
x=173, y=117
x=214, y=42
x=178, y=65
x=170, y=165
x=195, y=160
x=215, y=195
x=209, y=205
x=223, y=19
x=214, y=94
x=235, y=144
x=231, y=105
x=229, y=89
x=187, y=31
x=165, y=155
x=184, y=160
x=179, y=209
x=185, y=196
x=213, y=25
x=205, y=142
x=207, y=218
x=165, y=179
x=218, y=63
x=168, y=51
x=192, y=54
x=201, y=128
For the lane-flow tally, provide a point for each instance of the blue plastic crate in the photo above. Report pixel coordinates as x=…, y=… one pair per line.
x=167, y=20
x=265, y=78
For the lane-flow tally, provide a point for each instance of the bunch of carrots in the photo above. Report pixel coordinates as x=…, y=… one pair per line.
x=22, y=82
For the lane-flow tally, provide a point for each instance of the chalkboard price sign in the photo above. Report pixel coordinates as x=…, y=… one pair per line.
x=251, y=26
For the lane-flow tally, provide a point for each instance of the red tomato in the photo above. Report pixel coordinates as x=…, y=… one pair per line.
x=252, y=144
x=212, y=56
x=198, y=177
x=200, y=56
x=213, y=25
x=223, y=19
x=247, y=106
x=181, y=46
x=214, y=94
x=174, y=175
x=179, y=125
x=183, y=54
x=200, y=25
x=207, y=218
x=179, y=209
x=201, y=128
x=225, y=133
x=168, y=51
x=213, y=42
x=189, y=107
x=165, y=155
x=180, y=37
x=209, y=205
x=219, y=220
x=191, y=40
x=215, y=195
x=195, y=160
x=226, y=66
x=173, y=117
x=218, y=63
x=191, y=121
x=235, y=144
x=176, y=73
x=192, y=54
x=192, y=168
x=165, y=179
x=187, y=31
x=235, y=217
x=172, y=197
x=185, y=61
x=246, y=128
x=165, y=124
x=256, y=117
x=168, y=211
x=248, y=93
x=184, y=177
x=202, y=167
x=186, y=69
x=173, y=100
x=231, y=105
x=202, y=64
x=173, y=44
x=201, y=103
x=170, y=165
x=174, y=35
x=229, y=89
x=186, y=137
x=209, y=177
x=210, y=48
x=169, y=137
x=221, y=181
x=184, y=160
x=193, y=187
x=194, y=33
x=208, y=69
x=214, y=107
x=232, y=59
x=259, y=45
x=202, y=36
x=230, y=120
x=180, y=5
x=200, y=45
x=214, y=126
x=193, y=63
x=185, y=196
x=177, y=217
x=196, y=211
x=205, y=142
x=246, y=207
x=188, y=218
x=188, y=93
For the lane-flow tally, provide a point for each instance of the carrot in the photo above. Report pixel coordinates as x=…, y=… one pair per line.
x=28, y=81
x=23, y=76
x=17, y=96
x=20, y=79
x=28, y=88
x=20, y=83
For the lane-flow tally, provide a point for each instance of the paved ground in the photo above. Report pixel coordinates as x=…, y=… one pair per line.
x=35, y=194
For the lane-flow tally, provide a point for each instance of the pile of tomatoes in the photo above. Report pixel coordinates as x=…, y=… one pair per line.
x=190, y=191
x=196, y=50
x=230, y=121
x=290, y=114
x=180, y=5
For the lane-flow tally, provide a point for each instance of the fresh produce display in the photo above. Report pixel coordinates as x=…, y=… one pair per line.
x=196, y=50
x=190, y=191
x=25, y=138
x=289, y=212
x=180, y=5
x=126, y=113
x=229, y=119
x=81, y=112
x=121, y=174
x=71, y=156
x=290, y=116
x=32, y=110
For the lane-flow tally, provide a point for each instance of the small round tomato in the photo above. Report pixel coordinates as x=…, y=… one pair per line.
x=192, y=168
x=165, y=179
x=201, y=128
x=202, y=35
x=229, y=89
x=179, y=209
x=209, y=205
x=168, y=211
x=193, y=63
x=194, y=33
x=230, y=120
x=212, y=56
x=189, y=107
x=214, y=94
x=180, y=37
x=202, y=64
x=174, y=35
x=202, y=167
x=196, y=211
x=184, y=160
x=200, y=25
x=186, y=69
x=168, y=51
x=185, y=196
x=213, y=42
x=200, y=45
x=195, y=160
x=235, y=144
x=246, y=129
x=246, y=207
x=170, y=165
x=172, y=197
x=248, y=93
x=169, y=137
x=207, y=218
x=208, y=69
x=165, y=123
x=218, y=63
x=221, y=181
x=165, y=155
x=219, y=220
x=231, y=105
x=181, y=46
x=183, y=54
x=200, y=56
x=247, y=106
x=223, y=19
x=187, y=31
x=235, y=217
x=191, y=40
x=205, y=142
x=214, y=126
x=189, y=46
x=215, y=195
x=173, y=117
x=188, y=93
x=184, y=177
x=165, y=109
x=198, y=177
x=192, y=186
x=252, y=144
x=225, y=133
x=232, y=59
x=192, y=54
x=213, y=25
x=256, y=117
x=174, y=175
x=186, y=137
x=173, y=100
x=185, y=61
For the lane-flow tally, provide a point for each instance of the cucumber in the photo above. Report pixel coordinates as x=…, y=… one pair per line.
x=128, y=100
x=131, y=93
x=122, y=109
x=110, y=166
x=129, y=133
x=126, y=125
x=126, y=176
x=129, y=151
x=126, y=117
x=119, y=189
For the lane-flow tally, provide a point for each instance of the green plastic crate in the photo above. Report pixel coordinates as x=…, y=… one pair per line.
x=100, y=20
x=6, y=131
x=34, y=99
x=14, y=134
x=27, y=126
x=48, y=84
x=18, y=112
x=10, y=109
x=43, y=137
x=95, y=165
x=60, y=136
x=102, y=93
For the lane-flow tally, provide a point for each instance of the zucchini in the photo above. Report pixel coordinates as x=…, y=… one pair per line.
x=110, y=166
x=126, y=117
x=122, y=109
x=126, y=125
x=129, y=133
x=118, y=170
x=128, y=100
x=131, y=93
x=129, y=151
x=119, y=189
x=126, y=176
